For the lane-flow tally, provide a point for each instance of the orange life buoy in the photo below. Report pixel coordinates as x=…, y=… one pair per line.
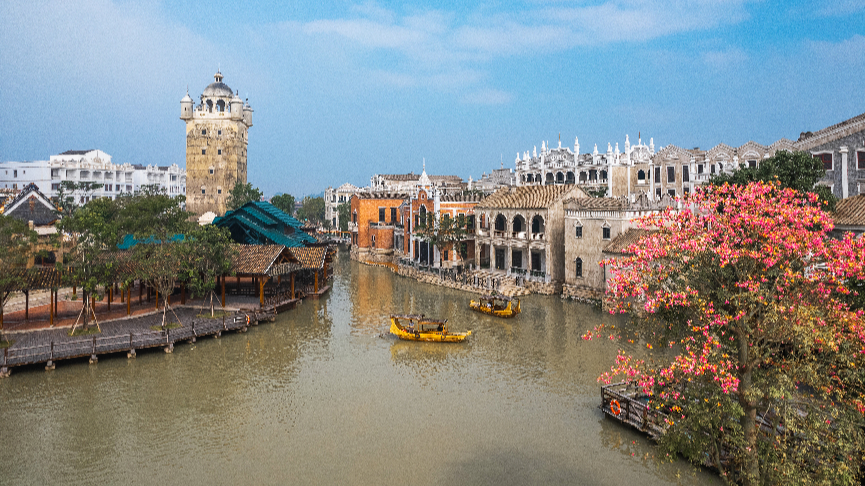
x=615, y=407
x=247, y=318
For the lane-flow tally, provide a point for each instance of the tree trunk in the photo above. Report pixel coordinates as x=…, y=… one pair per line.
x=84, y=299
x=751, y=463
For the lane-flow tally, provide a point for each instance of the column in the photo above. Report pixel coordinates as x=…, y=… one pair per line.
x=844, y=186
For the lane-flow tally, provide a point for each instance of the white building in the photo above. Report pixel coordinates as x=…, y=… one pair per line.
x=90, y=166
x=334, y=197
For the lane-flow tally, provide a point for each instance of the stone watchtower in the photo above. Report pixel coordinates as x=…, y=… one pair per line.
x=216, y=140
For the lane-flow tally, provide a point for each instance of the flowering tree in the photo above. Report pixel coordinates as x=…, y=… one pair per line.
x=765, y=377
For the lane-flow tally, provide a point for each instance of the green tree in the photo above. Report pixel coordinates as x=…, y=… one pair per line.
x=208, y=255
x=799, y=171
x=344, y=212
x=312, y=209
x=159, y=222
x=284, y=202
x=241, y=194
x=94, y=228
x=446, y=233
x=70, y=194
x=16, y=241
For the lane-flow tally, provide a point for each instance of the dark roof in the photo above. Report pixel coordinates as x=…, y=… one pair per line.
x=259, y=222
x=527, y=197
x=619, y=245
x=462, y=196
x=77, y=152
x=35, y=278
x=42, y=212
x=597, y=203
x=850, y=211
x=805, y=136
x=381, y=195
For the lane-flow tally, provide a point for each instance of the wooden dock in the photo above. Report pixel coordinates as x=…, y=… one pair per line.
x=625, y=403
x=93, y=346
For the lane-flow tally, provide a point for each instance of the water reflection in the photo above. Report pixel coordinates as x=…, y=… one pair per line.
x=320, y=397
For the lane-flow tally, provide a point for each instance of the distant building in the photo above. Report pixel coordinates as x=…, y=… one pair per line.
x=90, y=166
x=375, y=217
x=841, y=147
x=334, y=197
x=409, y=183
x=216, y=142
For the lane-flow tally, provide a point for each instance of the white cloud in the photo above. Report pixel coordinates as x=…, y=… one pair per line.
x=721, y=60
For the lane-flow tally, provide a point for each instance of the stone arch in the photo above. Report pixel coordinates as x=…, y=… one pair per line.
x=538, y=179
x=593, y=174
x=220, y=106
x=641, y=175
x=549, y=179
x=578, y=264
x=210, y=106
x=422, y=213
x=518, y=224
x=538, y=224
x=603, y=175
x=501, y=223
x=583, y=177
x=569, y=177
x=560, y=178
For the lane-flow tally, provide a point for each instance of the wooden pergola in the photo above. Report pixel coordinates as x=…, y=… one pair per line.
x=315, y=259
x=263, y=263
x=34, y=278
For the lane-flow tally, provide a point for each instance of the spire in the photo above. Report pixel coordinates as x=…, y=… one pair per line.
x=560, y=139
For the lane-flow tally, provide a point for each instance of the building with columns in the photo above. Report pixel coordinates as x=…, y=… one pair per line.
x=216, y=142
x=841, y=147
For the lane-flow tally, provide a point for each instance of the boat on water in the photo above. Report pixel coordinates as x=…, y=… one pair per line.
x=496, y=305
x=421, y=328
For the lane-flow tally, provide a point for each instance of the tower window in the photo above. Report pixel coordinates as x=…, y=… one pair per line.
x=219, y=152
x=579, y=232
x=579, y=267
x=219, y=190
x=202, y=190
x=203, y=151
x=204, y=132
x=211, y=170
x=606, y=233
x=219, y=132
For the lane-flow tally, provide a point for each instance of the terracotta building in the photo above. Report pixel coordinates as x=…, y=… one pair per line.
x=374, y=218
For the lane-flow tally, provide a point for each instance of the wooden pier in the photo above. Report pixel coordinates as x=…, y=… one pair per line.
x=96, y=345
x=625, y=403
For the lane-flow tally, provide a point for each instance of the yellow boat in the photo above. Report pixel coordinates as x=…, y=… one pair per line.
x=496, y=305
x=420, y=328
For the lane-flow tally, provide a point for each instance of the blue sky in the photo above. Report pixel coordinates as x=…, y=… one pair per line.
x=348, y=89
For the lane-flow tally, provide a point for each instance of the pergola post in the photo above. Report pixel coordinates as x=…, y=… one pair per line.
x=261, y=291
x=292, y=286
x=140, y=290
x=222, y=281
x=129, y=301
x=26, y=305
x=50, y=307
x=316, y=281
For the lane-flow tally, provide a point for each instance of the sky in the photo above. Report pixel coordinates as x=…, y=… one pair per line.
x=344, y=90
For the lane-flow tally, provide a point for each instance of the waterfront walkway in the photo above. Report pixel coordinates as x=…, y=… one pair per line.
x=183, y=323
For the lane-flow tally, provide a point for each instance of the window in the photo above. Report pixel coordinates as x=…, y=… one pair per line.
x=752, y=164
x=579, y=232
x=219, y=190
x=354, y=217
x=211, y=170
x=393, y=215
x=685, y=175
x=445, y=255
x=204, y=132
x=15, y=173
x=686, y=190
x=173, y=178
x=827, y=160
x=219, y=132
x=128, y=188
x=699, y=168
x=671, y=174
x=202, y=190
x=712, y=169
x=203, y=151
x=219, y=152
x=381, y=215
x=671, y=192
x=641, y=177
x=658, y=193
x=373, y=241
x=579, y=265
x=860, y=160
x=55, y=187
x=606, y=233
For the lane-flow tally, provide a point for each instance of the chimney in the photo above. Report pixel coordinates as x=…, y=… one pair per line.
x=30, y=224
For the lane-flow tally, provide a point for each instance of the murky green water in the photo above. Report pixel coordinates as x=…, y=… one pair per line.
x=320, y=397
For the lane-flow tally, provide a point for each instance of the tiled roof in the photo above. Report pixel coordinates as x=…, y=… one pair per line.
x=381, y=195
x=400, y=177
x=850, y=211
x=42, y=215
x=597, y=203
x=262, y=222
x=527, y=197
x=311, y=258
x=77, y=152
x=462, y=197
x=808, y=140
x=620, y=244
x=255, y=259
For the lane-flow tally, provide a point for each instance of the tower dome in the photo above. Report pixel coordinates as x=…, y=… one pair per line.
x=217, y=88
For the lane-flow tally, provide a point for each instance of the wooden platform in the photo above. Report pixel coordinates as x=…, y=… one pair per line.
x=625, y=403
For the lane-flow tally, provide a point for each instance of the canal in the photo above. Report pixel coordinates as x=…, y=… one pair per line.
x=324, y=396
